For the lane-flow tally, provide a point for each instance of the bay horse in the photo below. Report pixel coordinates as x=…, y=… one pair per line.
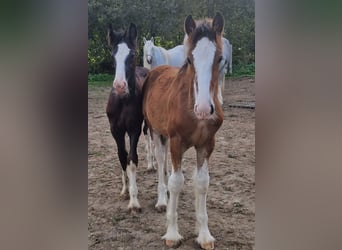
x=124, y=107
x=181, y=107
x=155, y=55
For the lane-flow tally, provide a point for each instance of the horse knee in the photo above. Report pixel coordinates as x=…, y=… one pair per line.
x=202, y=181
x=176, y=182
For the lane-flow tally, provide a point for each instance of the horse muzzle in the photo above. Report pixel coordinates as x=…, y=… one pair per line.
x=149, y=59
x=120, y=88
x=204, y=111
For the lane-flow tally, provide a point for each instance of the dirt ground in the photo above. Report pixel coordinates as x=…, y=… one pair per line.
x=231, y=195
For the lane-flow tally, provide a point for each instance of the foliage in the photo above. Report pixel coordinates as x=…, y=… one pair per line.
x=244, y=70
x=163, y=19
x=100, y=77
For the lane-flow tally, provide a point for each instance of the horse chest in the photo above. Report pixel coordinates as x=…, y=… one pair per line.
x=203, y=132
x=124, y=113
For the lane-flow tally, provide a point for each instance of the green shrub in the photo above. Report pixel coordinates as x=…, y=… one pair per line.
x=244, y=70
x=100, y=77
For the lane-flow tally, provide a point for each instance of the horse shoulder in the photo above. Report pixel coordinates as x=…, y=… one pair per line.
x=156, y=97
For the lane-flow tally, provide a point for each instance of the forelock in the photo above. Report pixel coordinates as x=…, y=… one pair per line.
x=203, y=29
x=121, y=37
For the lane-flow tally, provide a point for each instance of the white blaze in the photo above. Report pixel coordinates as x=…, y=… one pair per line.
x=203, y=54
x=120, y=57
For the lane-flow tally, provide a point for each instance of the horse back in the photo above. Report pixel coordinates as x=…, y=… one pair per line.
x=156, y=94
x=176, y=56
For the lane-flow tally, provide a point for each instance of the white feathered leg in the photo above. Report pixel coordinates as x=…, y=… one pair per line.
x=160, y=154
x=201, y=181
x=149, y=151
x=133, y=190
x=124, y=190
x=175, y=185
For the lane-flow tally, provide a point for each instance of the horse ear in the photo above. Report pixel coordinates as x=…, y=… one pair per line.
x=110, y=35
x=133, y=33
x=152, y=39
x=189, y=24
x=144, y=39
x=218, y=23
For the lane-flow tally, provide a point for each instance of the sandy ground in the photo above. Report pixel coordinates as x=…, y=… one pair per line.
x=231, y=195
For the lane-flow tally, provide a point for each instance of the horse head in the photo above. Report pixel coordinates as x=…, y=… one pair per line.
x=148, y=46
x=123, y=46
x=204, y=56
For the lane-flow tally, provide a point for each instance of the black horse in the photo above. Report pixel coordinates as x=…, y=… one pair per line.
x=124, y=107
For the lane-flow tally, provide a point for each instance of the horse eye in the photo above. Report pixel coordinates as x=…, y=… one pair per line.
x=220, y=59
x=188, y=60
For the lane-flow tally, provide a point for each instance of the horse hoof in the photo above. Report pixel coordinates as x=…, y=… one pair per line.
x=135, y=210
x=172, y=243
x=207, y=246
x=161, y=208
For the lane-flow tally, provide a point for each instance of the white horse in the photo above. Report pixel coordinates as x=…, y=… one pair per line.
x=225, y=64
x=155, y=55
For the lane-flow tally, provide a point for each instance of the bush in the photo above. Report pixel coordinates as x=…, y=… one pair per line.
x=244, y=70
x=100, y=77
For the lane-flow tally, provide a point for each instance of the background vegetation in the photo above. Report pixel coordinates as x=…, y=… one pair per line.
x=163, y=19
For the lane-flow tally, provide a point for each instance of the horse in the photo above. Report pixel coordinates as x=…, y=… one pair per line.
x=225, y=63
x=227, y=55
x=155, y=55
x=181, y=109
x=124, y=107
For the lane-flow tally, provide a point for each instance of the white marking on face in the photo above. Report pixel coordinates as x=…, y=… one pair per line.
x=120, y=72
x=148, y=50
x=203, y=55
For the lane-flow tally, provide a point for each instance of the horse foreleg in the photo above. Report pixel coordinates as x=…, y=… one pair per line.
x=223, y=82
x=160, y=147
x=201, y=183
x=131, y=171
x=219, y=93
x=122, y=154
x=149, y=148
x=175, y=185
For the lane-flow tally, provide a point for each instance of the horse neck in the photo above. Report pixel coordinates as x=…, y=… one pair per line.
x=176, y=56
x=132, y=84
x=184, y=82
x=159, y=54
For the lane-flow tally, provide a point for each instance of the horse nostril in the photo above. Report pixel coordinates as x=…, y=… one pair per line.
x=211, y=109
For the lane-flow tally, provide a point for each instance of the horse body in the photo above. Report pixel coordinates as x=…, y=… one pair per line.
x=225, y=65
x=176, y=56
x=227, y=55
x=173, y=118
x=124, y=107
x=155, y=56
x=181, y=107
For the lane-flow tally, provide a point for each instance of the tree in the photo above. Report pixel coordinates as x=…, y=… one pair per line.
x=164, y=19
